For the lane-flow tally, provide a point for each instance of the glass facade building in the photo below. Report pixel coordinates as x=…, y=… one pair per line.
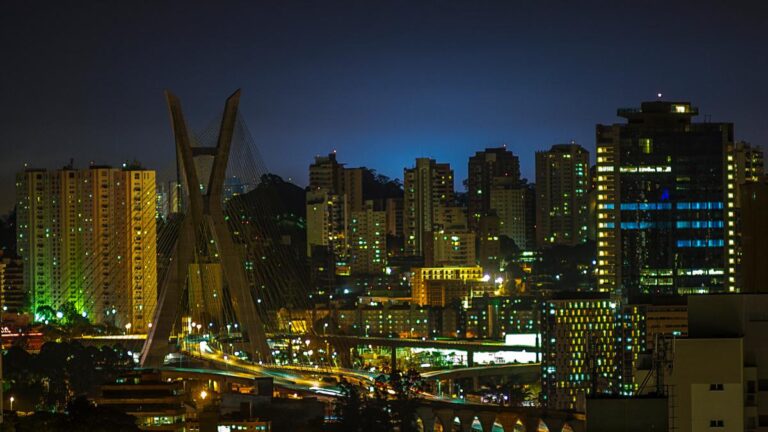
x=665, y=203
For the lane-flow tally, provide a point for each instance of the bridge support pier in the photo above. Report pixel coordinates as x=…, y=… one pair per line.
x=507, y=421
x=531, y=424
x=487, y=419
x=466, y=418
x=554, y=424
x=427, y=419
x=393, y=357
x=470, y=358
x=446, y=417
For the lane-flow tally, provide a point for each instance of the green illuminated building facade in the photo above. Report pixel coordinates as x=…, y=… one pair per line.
x=87, y=239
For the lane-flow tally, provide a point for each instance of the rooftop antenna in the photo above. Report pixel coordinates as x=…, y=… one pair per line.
x=659, y=95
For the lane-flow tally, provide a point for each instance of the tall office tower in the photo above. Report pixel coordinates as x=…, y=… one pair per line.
x=562, y=201
x=584, y=339
x=665, y=203
x=483, y=168
x=428, y=189
x=368, y=240
x=88, y=238
x=514, y=204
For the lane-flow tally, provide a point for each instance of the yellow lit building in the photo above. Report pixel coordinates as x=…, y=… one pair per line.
x=87, y=237
x=439, y=286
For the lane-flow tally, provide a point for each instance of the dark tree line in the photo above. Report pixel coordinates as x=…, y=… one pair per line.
x=59, y=373
x=391, y=404
x=80, y=416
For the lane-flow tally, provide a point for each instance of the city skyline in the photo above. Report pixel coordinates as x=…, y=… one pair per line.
x=349, y=82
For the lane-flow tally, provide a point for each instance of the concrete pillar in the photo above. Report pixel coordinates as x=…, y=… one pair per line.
x=531, y=424
x=507, y=421
x=470, y=358
x=475, y=382
x=487, y=419
x=577, y=425
x=446, y=417
x=393, y=358
x=466, y=418
x=427, y=417
x=554, y=425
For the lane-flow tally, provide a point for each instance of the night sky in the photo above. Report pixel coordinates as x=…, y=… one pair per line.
x=382, y=82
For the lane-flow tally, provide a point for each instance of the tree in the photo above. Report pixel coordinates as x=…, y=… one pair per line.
x=391, y=404
x=81, y=416
x=407, y=386
x=349, y=408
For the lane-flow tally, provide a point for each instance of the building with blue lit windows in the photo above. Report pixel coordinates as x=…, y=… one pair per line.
x=665, y=203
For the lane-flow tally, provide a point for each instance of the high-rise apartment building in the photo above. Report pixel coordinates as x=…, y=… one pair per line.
x=562, y=202
x=665, y=203
x=325, y=222
x=334, y=192
x=514, y=204
x=428, y=190
x=368, y=240
x=483, y=168
x=325, y=173
x=137, y=239
x=88, y=238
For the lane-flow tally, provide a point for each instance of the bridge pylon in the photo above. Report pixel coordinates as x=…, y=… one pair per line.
x=204, y=209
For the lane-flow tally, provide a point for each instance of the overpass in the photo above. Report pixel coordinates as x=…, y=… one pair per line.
x=527, y=373
x=344, y=342
x=341, y=342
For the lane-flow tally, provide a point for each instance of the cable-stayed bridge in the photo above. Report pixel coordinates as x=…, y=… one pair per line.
x=222, y=270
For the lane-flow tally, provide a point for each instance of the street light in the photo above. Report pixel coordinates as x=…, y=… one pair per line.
x=203, y=394
x=12, y=399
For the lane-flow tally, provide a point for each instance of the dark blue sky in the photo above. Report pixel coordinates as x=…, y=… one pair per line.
x=380, y=81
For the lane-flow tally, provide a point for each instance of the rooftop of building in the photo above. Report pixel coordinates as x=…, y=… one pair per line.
x=659, y=107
